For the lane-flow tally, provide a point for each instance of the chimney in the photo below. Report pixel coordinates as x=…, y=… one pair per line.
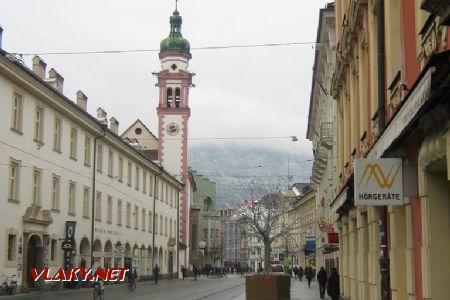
x=82, y=100
x=101, y=116
x=39, y=66
x=56, y=80
x=1, y=33
x=114, y=125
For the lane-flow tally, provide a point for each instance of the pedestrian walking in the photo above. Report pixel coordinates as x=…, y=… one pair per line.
x=309, y=275
x=322, y=277
x=300, y=273
x=295, y=272
x=195, y=271
x=156, y=273
x=333, y=285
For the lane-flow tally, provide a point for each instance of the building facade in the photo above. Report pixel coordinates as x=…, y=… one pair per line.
x=60, y=164
x=390, y=83
x=322, y=132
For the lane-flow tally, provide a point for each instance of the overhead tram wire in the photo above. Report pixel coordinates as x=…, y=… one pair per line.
x=157, y=50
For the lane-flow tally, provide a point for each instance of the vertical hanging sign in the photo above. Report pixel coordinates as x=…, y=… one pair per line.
x=378, y=182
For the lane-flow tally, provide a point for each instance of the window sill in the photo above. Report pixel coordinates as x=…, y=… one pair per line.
x=55, y=210
x=108, y=222
x=18, y=131
x=71, y=214
x=98, y=220
x=73, y=158
x=39, y=142
x=13, y=200
x=110, y=176
x=99, y=171
x=86, y=217
x=57, y=150
x=128, y=226
x=120, y=225
x=87, y=165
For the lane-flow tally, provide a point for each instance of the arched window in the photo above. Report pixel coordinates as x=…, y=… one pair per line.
x=169, y=97
x=177, y=97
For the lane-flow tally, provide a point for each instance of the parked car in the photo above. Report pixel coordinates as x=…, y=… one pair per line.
x=278, y=269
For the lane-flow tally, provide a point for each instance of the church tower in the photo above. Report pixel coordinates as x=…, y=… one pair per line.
x=174, y=81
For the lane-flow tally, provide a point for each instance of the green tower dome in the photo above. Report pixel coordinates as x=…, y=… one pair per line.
x=175, y=41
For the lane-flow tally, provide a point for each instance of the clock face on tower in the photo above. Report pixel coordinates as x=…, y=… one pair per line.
x=173, y=128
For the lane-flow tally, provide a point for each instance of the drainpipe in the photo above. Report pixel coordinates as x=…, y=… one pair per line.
x=154, y=221
x=384, y=257
x=94, y=171
x=178, y=234
x=381, y=66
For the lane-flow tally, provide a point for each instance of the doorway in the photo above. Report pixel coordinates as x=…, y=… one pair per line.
x=34, y=258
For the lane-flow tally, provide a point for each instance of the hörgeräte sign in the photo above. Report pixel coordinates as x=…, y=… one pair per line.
x=378, y=182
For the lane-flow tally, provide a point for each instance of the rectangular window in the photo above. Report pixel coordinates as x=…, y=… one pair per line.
x=161, y=225
x=109, y=210
x=110, y=163
x=17, y=111
x=37, y=180
x=156, y=223
x=100, y=158
x=151, y=185
x=143, y=219
x=55, y=192
x=72, y=198
x=11, y=247
x=98, y=207
x=170, y=228
x=136, y=181
x=129, y=174
x=165, y=226
x=87, y=151
x=53, y=249
x=136, y=217
x=150, y=221
x=128, y=220
x=86, y=192
x=161, y=190
x=14, y=172
x=57, y=134
x=73, y=143
x=171, y=197
x=120, y=173
x=167, y=194
x=205, y=234
x=39, y=124
x=144, y=182
x=119, y=212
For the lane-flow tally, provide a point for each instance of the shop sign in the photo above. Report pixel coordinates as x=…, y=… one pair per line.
x=333, y=238
x=378, y=182
x=96, y=254
x=310, y=246
x=310, y=234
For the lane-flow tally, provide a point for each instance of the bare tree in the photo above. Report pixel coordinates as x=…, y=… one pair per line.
x=266, y=217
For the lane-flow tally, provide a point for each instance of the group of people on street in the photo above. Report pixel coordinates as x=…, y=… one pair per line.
x=326, y=284
x=330, y=284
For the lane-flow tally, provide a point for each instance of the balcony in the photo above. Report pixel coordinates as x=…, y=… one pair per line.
x=320, y=154
x=326, y=135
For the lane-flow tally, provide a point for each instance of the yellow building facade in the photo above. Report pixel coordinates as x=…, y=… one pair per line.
x=390, y=85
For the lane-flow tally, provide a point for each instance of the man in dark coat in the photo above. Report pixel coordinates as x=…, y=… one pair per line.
x=333, y=285
x=309, y=275
x=300, y=273
x=322, y=279
x=156, y=273
x=295, y=272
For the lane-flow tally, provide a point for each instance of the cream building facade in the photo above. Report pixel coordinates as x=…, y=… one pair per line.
x=390, y=83
x=47, y=159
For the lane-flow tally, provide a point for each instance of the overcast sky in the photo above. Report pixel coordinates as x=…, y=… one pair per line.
x=245, y=92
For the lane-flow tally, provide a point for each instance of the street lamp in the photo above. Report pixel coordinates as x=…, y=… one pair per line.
x=104, y=127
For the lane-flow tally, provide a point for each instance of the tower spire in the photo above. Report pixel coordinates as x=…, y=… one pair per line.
x=176, y=5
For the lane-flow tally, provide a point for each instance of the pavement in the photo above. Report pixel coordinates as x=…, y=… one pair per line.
x=227, y=288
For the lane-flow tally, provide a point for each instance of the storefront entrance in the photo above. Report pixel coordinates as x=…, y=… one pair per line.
x=34, y=258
